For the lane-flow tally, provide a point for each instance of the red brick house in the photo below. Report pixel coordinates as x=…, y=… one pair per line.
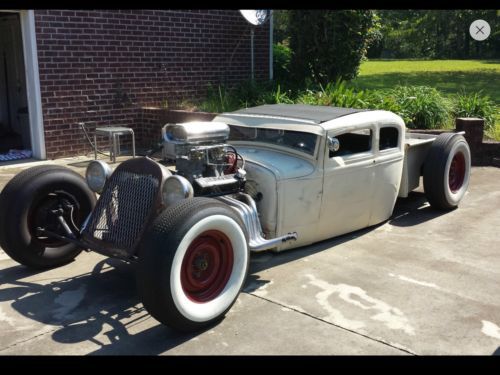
x=101, y=67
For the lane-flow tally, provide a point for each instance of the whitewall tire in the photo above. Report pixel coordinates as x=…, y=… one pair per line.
x=447, y=171
x=193, y=263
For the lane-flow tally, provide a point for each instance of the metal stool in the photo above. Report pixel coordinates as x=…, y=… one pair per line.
x=113, y=133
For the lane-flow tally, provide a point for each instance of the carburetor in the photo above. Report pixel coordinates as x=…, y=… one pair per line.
x=202, y=156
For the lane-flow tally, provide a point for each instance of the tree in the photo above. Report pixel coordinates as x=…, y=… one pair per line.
x=437, y=34
x=280, y=26
x=328, y=44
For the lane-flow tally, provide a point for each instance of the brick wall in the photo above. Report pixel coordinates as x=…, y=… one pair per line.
x=101, y=67
x=483, y=153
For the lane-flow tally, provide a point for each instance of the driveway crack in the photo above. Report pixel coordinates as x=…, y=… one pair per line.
x=28, y=339
x=379, y=340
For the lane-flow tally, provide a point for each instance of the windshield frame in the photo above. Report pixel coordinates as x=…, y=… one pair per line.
x=274, y=145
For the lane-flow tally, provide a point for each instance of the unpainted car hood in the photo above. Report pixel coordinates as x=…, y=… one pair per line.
x=282, y=165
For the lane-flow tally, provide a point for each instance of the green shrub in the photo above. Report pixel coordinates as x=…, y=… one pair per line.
x=335, y=94
x=274, y=96
x=250, y=94
x=382, y=99
x=422, y=107
x=419, y=106
x=246, y=94
x=475, y=105
x=493, y=132
x=219, y=99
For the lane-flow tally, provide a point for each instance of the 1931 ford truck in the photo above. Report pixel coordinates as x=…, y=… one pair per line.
x=272, y=177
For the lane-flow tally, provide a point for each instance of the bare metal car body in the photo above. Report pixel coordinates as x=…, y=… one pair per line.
x=273, y=177
x=318, y=196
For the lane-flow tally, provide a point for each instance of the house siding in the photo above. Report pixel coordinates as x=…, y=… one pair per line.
x=100, y=67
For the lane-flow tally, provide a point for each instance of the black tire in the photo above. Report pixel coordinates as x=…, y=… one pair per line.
x=447, y=171
x=167, y=268
x=24, y=203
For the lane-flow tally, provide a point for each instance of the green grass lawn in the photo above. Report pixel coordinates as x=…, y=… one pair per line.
x=448, y=76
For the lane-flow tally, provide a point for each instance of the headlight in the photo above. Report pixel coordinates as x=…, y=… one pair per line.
x=97, y=173
x=176, y=188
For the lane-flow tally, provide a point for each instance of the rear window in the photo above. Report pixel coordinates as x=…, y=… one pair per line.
x=388, y=138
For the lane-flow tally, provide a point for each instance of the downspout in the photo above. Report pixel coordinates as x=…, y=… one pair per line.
x=271, y=46
x=252, y=58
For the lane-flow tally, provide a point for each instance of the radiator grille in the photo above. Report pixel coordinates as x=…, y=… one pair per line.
x=123, y=209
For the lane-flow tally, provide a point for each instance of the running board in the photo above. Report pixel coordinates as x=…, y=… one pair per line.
x=247, y=211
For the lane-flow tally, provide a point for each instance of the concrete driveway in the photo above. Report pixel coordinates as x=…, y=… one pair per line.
x=422, y=283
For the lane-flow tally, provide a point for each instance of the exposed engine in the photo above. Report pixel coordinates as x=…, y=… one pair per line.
x=203, y=158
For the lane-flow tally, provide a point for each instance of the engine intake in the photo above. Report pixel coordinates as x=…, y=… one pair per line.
x=202, y=156
x=196, y=132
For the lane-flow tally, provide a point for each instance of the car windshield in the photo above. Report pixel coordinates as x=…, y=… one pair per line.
x=301, y=141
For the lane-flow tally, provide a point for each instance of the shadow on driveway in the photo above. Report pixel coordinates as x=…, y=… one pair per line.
x=86, y=304
x=408, y=212
x=105, y=299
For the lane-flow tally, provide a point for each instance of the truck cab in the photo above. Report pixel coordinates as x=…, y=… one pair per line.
x=320, y=171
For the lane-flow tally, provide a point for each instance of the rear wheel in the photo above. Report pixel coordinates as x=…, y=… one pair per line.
x=447, y=171
x=29, y=201
x=193, y=262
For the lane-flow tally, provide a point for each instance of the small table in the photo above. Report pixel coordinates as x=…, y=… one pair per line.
x=113, y=133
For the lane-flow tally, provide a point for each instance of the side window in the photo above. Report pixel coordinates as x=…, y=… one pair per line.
x=352, y=143
x=388, y=138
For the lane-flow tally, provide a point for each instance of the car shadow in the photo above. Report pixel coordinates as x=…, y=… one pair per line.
x=413, y=210
x=410, y=211
x=98, y=307
x=102, y=306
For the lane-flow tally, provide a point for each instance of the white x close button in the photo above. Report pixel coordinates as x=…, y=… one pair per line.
x=479, y=30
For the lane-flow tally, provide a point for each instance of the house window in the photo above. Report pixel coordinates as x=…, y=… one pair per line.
x=388, y=138
x=354, y=142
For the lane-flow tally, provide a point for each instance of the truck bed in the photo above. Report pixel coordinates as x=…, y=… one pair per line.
x=414, y=139
x=416, y=148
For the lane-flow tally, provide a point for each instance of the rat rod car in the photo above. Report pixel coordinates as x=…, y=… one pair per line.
x=272, y=177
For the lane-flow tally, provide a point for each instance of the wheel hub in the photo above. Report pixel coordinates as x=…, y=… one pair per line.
x=456, y=174
x=43, y=214
x=207, y=266
x=201, y=263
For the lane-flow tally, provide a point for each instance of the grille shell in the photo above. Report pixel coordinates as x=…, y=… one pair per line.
x=130, y=199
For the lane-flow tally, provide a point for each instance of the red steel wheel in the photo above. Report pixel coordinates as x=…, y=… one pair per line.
x=207, y=266
x=457, y=172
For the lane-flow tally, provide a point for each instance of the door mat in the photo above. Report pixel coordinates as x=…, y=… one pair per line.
x=16, y=155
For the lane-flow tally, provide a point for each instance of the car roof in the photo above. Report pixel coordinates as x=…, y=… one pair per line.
x=309, y=113
x=306, y=118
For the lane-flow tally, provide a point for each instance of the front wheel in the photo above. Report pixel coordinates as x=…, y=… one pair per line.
x=28, y=202
x=193, y=262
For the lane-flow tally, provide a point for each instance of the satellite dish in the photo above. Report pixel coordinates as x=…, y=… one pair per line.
x=255, y=16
